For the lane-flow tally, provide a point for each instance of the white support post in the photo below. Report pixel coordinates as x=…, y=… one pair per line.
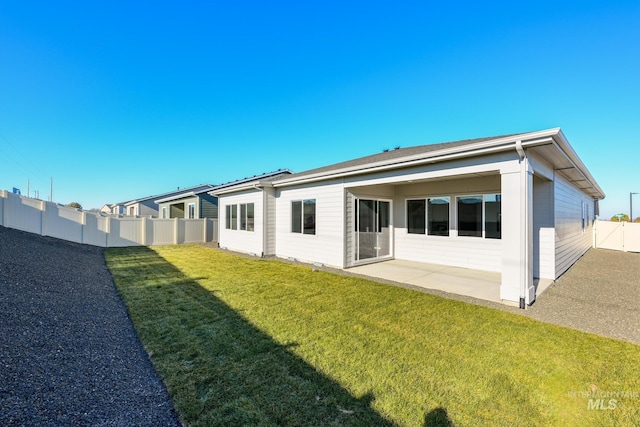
x=517, y=235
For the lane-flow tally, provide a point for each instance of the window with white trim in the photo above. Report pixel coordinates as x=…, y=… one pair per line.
x=478, y=214
x=191, y=210
x=416, y=216
x=303, y=216
x=231, y=217
x=438, y=216
x=247, y=216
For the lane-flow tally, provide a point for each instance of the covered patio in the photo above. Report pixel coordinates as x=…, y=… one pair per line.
x=479, y=284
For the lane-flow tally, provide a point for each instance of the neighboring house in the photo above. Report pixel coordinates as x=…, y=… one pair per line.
x=116, y=208
x=194, y=202
x=146, y=206
x=106, y=208
x=522, y=205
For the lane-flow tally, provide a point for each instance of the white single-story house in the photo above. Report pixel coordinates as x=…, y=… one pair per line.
x=522, y=205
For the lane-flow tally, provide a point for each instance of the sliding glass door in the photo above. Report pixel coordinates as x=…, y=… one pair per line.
x=373, y=234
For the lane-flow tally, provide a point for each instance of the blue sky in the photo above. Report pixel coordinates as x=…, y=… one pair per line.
x=119, y=100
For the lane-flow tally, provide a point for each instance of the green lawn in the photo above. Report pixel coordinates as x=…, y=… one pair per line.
x=261, y=342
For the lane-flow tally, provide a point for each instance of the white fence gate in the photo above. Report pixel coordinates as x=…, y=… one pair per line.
x=618, y=236
x=51, y=219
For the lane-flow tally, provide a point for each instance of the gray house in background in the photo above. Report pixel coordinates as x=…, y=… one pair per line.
x=146, y=206
x=115, y=209
x=190, y=203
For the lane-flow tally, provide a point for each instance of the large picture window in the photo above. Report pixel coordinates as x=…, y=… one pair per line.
x=416, y=216
x=303, y=216
x=438, y=216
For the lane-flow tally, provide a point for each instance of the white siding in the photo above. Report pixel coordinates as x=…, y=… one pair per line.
x=571, y=241
x=544, y=265
x=242, y=240
x=327, y=245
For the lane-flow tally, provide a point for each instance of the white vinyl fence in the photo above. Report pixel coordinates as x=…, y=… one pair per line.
x=51, y=219
x=619, y=236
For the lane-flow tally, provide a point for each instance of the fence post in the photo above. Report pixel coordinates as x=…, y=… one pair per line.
x=204, y=230
x=43, y=218
x=83, y=224
x=3, y=201
x=108, y=232
x=175, y=231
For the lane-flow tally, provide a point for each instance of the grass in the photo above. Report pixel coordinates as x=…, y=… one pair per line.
x=241, y=341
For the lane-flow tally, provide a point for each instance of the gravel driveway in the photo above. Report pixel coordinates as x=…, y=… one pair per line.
x=68, y=352
x=599, y=294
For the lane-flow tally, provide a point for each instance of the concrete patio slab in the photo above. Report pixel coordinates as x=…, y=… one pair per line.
x=462, y=281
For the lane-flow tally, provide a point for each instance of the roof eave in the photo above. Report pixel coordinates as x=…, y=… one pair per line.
x=563, y=145
x=485, y=147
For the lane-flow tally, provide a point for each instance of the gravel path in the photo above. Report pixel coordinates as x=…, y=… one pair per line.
x=68, y=352
x=599, y=294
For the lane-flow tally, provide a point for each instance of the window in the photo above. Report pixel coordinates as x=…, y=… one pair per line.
x=243, y=216
x=231, y=217
x=164, y=212
x=191, y=210
x=246, y=216
x=250, y=217
x=470, y=216
x=477, y=211
x=416, y=216
x=296, y=217
x=234, y=217
x=493, y=216
x=438, y=216
x=303, y=216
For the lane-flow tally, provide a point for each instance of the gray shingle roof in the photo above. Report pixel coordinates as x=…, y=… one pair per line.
x=395, y=154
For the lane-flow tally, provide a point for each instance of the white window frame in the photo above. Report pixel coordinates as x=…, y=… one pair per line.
x=191, y=213
x=303, y=202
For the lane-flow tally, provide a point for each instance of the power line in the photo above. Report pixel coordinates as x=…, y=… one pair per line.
x=11, y=153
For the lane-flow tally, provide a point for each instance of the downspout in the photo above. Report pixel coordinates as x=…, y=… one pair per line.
x=265, y=226
x=524, y=249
